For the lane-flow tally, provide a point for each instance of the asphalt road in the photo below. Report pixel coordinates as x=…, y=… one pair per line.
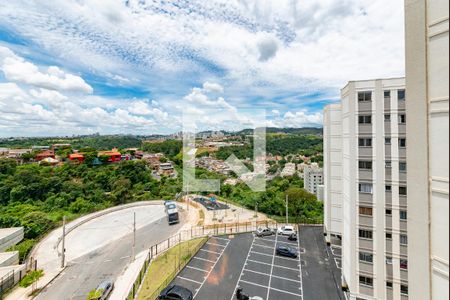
x=321, y=277
x=107, y=262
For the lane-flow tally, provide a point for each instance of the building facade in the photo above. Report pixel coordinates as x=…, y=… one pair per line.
x=427, y=86
x=312, y=178
x=332, y=169
x=373, y=186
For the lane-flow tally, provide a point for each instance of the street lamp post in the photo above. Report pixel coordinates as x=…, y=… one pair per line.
x=287, y=205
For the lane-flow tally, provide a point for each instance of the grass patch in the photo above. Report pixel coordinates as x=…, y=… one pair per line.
x=164, y=268
x=30, y=278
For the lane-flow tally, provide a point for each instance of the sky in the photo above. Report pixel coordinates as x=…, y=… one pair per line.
x=136, y=66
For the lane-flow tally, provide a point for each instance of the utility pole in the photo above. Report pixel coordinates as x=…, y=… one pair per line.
x=134, y=237
x=63, y=243
x=287, y=213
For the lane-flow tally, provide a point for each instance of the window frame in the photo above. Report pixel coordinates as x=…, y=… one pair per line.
x=399, y=92
x=363, y=191
x=364, y=280
x=402, y=142
x=403, y=214
x=403, y=237
x=364, y=95
x=362, y=210
x=365, y=257
x=361, y=234
x=365, y=119
x=365, y=165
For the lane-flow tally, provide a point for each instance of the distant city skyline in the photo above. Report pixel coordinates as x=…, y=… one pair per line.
x=133, y=67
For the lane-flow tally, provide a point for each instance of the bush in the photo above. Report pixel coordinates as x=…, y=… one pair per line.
x=30, y=278
x=36, y=223
x=24, y=248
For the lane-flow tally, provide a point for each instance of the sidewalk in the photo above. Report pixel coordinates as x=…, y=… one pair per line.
x=47, y=252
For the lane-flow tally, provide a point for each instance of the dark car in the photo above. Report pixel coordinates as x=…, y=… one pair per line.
x=176, y=292
x=286, y=251
x=292, y=237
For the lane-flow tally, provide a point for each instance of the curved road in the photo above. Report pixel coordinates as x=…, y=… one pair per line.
x=108, y=241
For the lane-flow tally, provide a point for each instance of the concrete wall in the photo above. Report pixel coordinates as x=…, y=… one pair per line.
x=427, y=84
x=9, y=237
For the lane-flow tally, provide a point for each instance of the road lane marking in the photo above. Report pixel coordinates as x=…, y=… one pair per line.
x=271, y=268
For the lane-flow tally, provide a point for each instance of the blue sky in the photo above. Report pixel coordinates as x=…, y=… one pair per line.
x=116, y=66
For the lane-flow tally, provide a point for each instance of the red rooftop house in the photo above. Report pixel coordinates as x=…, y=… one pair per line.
x=45, y=154
x=76, y=157
x=112, y=156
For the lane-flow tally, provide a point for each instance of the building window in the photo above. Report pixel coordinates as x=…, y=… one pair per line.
x=387, y=95
x=389, y=284
x=387, y=117
x=404, y=264
x=365, y=188
x=404, y=289
x=388, y=236
x=365, y=280
x=365, y=142
x=402, y=167
x=402, y=143
x=401, y=94
x=388, y=212
x=388, y=260
x=365, y=165
x=365, y=234
x=365, y=119
x=403, y=215
x=364, y=96
x=388, y=164
x=402, y=119
x=388, y=188
x=387, y=141
x=402, y=191
x=403, y=239
x=366, y=257
x=366, y=211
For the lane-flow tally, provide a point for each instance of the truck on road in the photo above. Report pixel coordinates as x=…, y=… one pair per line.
x=172, y=212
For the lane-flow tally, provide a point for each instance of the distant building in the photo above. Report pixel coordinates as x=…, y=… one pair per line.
x=289, y=170
x=312, y=177
x=166, y=169
x=45, y=154
x=76, y=157
x=113, y=155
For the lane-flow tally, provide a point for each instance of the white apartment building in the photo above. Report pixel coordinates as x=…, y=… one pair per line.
x=371, y=124
x=332, y=169
x=312, y=178
x=427, y=86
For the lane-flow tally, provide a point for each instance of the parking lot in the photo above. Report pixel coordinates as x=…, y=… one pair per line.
x=230, y=261
x=226, y=262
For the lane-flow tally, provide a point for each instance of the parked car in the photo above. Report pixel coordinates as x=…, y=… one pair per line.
x=286, y=251
x=104, y=289
x=286, y=230
x=176, y=292
x=264, y=231
x=293, y=237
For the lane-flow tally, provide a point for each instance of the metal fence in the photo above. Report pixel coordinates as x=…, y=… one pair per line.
x=186, y=235
x=9, y=280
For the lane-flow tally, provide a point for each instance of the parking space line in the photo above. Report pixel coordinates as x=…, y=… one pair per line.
x=204, y=259
x=252, y=283
x=287, y=258
x=284, y=278
x=243, y=267
x=254, y=252
x=223, y=239
x=212, y=268
x=256, y=272
x=283, y=291
x=187, y=279
x=261, y=238
x=204, y=250
x=271, y=268
x=300, y=257
x=198, y=269
x=288, y=243
x=214, y=244
x=263, y=246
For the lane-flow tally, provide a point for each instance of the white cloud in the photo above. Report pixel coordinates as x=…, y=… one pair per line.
x=267, y=47
x=18, y=70
x=212, y=87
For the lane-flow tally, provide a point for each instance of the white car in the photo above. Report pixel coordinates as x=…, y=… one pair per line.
x=286, y=230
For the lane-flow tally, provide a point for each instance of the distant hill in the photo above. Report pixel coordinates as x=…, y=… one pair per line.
x=297, y=131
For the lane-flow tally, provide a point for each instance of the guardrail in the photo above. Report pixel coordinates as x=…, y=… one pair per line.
x=186, y=235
